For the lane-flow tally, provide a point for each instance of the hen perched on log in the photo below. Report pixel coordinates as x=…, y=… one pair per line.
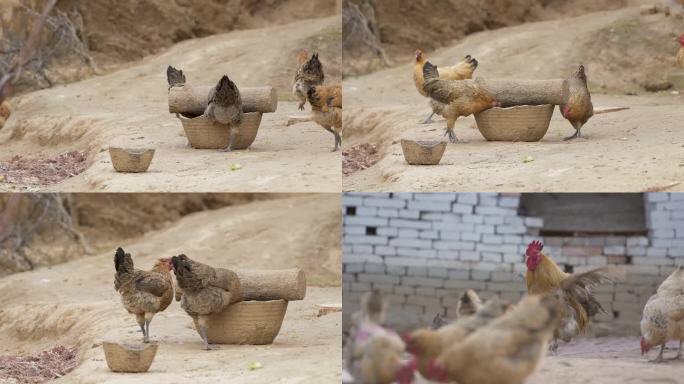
x=175, y=77
x=225, y=107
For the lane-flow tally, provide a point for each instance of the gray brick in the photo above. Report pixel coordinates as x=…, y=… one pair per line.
x=422, y=282
x=492, y=257
x=509, y=202
x=513, y=258
x=427, y=253
x=454, y=245
x=384, y=203
x=469, y=256
x=483, y=228
x=400, y=223
x=365, y=221
x=360, y=287
x=438, y=272
x=405, y=261
x=506, y=287
x=471, y=236
x=459, y=274
x=503, y=277
x=467, y=198
x=664, y=233
x=462, y=208
x=357, y=239
x=417, y=271
x=503, y=248
x=492, y=239
x=464, y=284
x=366, y=211
x=362, y=248
x=511, y=229
x=474, y=219
x=482, y=210
x=432, y=216
x=430, y=206
x=388, y=212
x=449, y=255
x=614, y=250
x=428, y=234
x=652, y=260
x=423, y=301
x=425, y=291
x=676, y=252
x=353, y=268
x=409, y=214
x=653, y=197
x=493, y=220
x=637, y=241
x=354, y=230
x=413, y=243
x=404, y=290
x=442, y=196
x=656, y=252
x=374, y=268
x=450, y=235
x=408, y=252
x=351, y=200
x=362, y=258
x=534, y=222
x=376, y=278
x=396, y=270
x=480, y=275
x=636, y=251
x=387, y=231
x=451, y=226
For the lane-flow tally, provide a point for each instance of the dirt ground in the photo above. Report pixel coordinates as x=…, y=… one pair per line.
x=633, y=150
x=129, y=108
x=74, y=304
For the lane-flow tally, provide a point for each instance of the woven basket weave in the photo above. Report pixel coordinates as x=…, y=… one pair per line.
x=247, y=322
x=423, y=152
x=131, y=160
x=202, y=133
x=520, y=123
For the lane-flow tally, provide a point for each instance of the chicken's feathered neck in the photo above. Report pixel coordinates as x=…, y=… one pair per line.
x=545, y=277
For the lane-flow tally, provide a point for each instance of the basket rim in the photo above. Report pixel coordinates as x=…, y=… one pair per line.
x=203, y=116
x=261, y=302
x=132, y=151
x=514, y=107
x=425, y=143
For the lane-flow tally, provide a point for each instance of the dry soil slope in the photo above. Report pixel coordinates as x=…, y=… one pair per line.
x=75, y=303
x=621, y=49
x=129, y=108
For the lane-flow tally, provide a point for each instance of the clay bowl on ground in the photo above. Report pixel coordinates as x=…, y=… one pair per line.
x=519, y=123
x=129, y=357
x=247, y=322
x=423, y=152
x=131, y=159
x=203, y=133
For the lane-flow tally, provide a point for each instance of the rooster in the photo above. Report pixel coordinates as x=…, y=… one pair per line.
x=428, y=344
x=663, y=317
x=579, y=108
x=225, y=107
x=680, y=54
x=507, y=350
x=459, y=99
x=204, y=290
x=579, y=304
x=460, y=71
x=143, y=293
x=309, y=74
x=326, y=109
x=175, y=77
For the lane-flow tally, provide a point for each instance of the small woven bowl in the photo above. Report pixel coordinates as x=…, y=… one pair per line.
x=131, y=357
x=203, y=133
x=247, y=322
x=423, y=152
x=131, y=159
x=519, y=123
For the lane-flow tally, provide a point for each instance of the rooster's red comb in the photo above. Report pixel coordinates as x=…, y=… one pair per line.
x=535, y=246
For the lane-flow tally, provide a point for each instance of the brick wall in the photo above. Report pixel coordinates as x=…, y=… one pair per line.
x=423, y=250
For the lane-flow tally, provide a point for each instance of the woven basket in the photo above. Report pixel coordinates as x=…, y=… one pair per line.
x=247, y=322
x=129, y=357
x=520, y=123
x=202, y=133
x=131, y=160
x=423, y=152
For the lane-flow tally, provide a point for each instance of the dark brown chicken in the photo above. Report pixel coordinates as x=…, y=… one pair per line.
x=462, y=97
x=579, y=108
x=174, y=77
x=326, y=109
x=204, y=290
x=143, y=293
x=309, y=74
x=225, y=107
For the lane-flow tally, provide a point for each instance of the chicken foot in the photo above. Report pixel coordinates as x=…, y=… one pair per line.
x=202, y=325
x=553, y=347
x=577, y=134
x=148, y=319
x=451, y=123
x=140, y=318
x=429, y=119
x=229, y=147
x=659, y=359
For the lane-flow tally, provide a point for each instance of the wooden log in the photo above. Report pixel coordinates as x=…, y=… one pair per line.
x=525, y=92
x=285, y=284
x=192, y=100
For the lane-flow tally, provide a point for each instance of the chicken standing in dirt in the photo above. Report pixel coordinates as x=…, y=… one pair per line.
x=364, y=323
x=143, y=293
x=225, y=107
x=663, y=317
x=460, y=71
x=326, y=109
x=459, y=101
x=427, y=344
x=507, y=350
x=579, y=108
x=204, y=290
x=578, y=302
x=382, y=361
x=5, y=112
x=680, y=54
x=309, y=74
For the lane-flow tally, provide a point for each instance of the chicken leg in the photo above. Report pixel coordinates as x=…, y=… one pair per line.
x=451, y=123
x=659, y=359
x=578, y=126
x=202, y=325
x=148, y=320
x=233, y=133
x=140, y=318
x=429, y=119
